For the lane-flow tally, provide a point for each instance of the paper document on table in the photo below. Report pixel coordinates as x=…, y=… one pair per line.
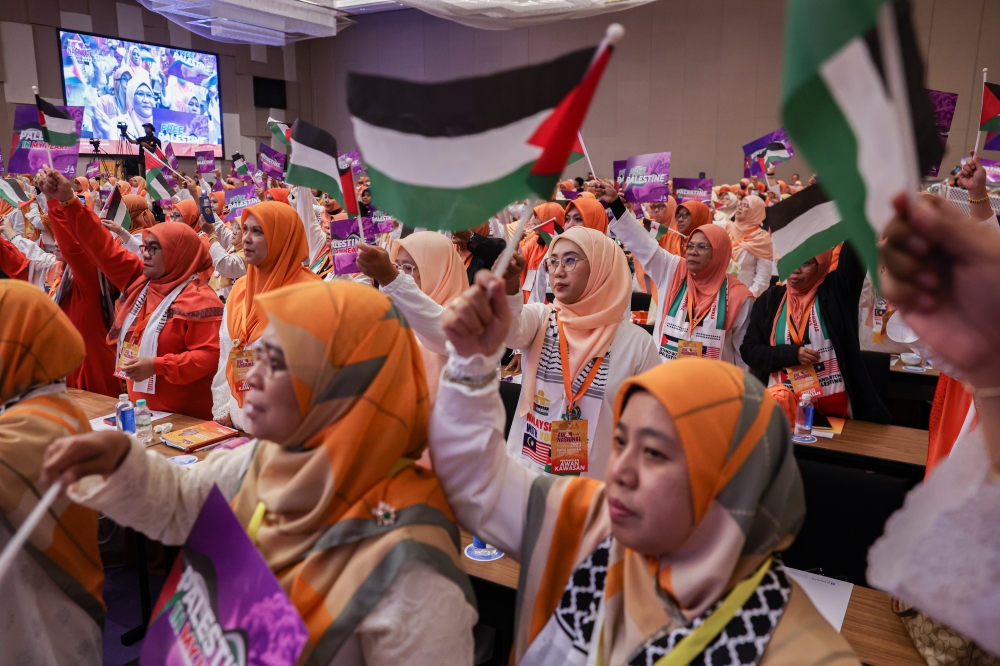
x=829, y=596
x=100, y=424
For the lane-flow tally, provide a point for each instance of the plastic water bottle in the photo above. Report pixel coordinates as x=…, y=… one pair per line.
x=804, y=417
x=125, y=414
x=143, y=422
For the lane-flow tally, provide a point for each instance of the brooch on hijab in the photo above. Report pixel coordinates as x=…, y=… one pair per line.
x=384, y=514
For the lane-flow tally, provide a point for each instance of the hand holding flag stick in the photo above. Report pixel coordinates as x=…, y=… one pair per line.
x=501, y=264
x=27, y=527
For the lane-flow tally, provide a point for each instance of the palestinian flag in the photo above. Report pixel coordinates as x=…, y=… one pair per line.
x=989, y=116
x=314, y=162
x=156, y=180
x=775, y=153
x=838, y=109
x=802, y=227
x=58, y=127
x=662, y=230
x=280, y=130
x=240, y=166
x=448, y=156
x=547, y=230
x=117, y=210
x=12, y=192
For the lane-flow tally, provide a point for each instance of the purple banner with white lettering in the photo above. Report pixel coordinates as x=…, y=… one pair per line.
x=171, y=158
x=355, y=156
x=693, y=189
x=344, y=238
x=272, y=162
x=944, y=112
x=93, y=169
x=772, y=148
x=28, y=148
x=181, y=126
x=221, y=604
x=645, y=177
x=205, y=160
x=381, y=222
x=239, y=198
x=991, y=167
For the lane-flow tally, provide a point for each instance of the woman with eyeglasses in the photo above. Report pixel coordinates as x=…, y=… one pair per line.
x=575, y=354
x=421, y=273
x=703, y=311
x=274, y=250
x=584, y=211
x=752, y=246
x=166, y=326
x=363, y=541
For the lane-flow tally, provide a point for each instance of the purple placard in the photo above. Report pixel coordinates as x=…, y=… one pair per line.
x=755, y=151
x=344, y=239
x=570, y=194
x=693, y=189
x=991, y=167
x=168, y=151
x=206, y=160
x=181, y=126
x=239, y=198
x=618, y=166
x=992, y=141
x=272, y=162
x=93, y=169
x=28, y=153
x=944, y=112
x=221, y=588
x=356, y=166
x=381, y=222
x=645, y=178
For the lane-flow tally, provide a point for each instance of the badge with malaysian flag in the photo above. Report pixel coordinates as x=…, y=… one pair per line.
x=58, y=127
x=445, y=155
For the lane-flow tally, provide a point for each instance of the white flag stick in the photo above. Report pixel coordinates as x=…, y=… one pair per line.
x=501, y=265
x=29, y=525
x=579, y=135
x=981, y=102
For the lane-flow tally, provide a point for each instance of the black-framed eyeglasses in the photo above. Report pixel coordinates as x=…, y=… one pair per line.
x=568, y=264
x=150, y=248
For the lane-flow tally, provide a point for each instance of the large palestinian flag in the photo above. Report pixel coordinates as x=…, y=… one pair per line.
x=839, y=111
x=449, y=155
x=58, y=127
x=156, y=179
x=12, y=192
x=803, y=226
x=314, y=163
x=989, y=115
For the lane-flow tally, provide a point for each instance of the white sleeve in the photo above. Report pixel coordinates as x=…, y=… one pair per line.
x=314, y=235
x=16, y=218
x=224, y=233
x=227, y=265
x=487, y=489
x=658, y=264
x=39, y=258
x=761, y=276
x=525, y=321
x=422, y=313
x=220, y=385
x=403, y=628
x=182, y=194
x=739, y=331
x=157, y=497
x=132, y=243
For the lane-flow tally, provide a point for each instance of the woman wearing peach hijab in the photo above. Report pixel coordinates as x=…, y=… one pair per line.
x=581, y=341
x=139, y=184
x=422, y=273
x=274, y=249
x=584, y=211
x=712, y=323
x=726, y=209
x=83, y=190
x=752, y=247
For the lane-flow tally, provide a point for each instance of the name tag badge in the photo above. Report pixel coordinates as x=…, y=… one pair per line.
x=568, y=451
x=691, y=348
x=805, y=381
x=130, y=352
x=241, y=362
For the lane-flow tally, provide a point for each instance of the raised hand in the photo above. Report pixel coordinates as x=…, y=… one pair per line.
x=477, y=321
x=374, y=262
x=71, y=458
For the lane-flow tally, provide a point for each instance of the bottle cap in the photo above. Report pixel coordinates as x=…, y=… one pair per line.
x=123, y=396
x=141, y=402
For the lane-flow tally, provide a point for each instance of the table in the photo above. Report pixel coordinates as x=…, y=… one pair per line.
x=898, y=367
x=888, y=449
x=870, y=627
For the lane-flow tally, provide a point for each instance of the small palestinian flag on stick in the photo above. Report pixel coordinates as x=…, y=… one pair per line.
x=547, y=230
x=240, y=166
x=58, y=127
x=156, y=181
x=12, y=192
x=802, y=227
x=280, y=130
x=314, y=162
x=662, y=230
x=989, y=116
x=118, y=211
x=445, y=155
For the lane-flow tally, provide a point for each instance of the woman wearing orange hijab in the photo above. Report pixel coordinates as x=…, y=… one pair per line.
x=688, y=216
x=533, y=247
x=811, y=324
x=83, y=190
x=582, y=339
x=279, y=194
x=274, y=249
x=752, y=247
x=421, y=273
x=703, y=311
x=138, y=183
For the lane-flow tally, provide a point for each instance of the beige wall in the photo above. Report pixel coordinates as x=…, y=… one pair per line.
x=699, y=79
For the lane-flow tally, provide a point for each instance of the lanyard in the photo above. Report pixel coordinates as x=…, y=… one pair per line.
x=692, y=320
x=797, y=333
x=567, y=380
x=140, y=325
x=740, y=240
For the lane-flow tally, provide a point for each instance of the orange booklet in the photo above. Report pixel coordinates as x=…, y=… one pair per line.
x=198, y=436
